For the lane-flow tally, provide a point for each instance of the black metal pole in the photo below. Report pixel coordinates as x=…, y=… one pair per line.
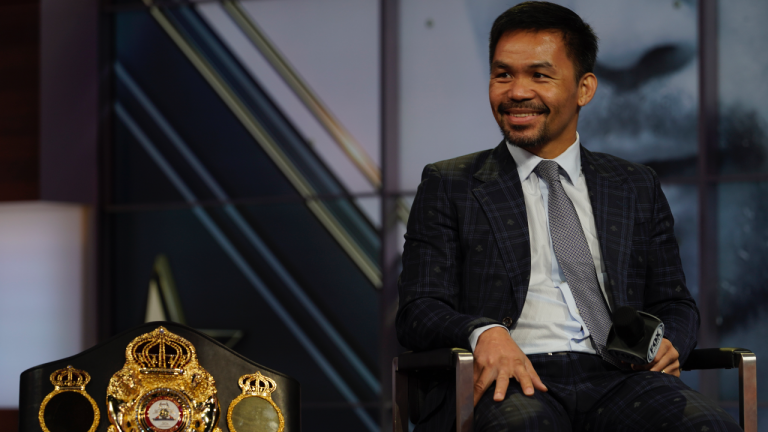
x=390, y=244
x=707, y=185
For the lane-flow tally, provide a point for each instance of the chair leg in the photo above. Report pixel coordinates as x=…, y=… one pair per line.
x=465, y=404
x=748, y=391
x=399, y=399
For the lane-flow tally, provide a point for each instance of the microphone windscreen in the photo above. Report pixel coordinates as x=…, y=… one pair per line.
x=628, y=324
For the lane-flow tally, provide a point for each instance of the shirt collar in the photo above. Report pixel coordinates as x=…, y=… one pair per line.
x=569, y=160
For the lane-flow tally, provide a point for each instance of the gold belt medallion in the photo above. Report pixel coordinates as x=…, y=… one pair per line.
x=68, y=407
x=162, y=388
x=254, y=410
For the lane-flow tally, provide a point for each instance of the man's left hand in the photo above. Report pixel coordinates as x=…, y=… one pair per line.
x=666, y=361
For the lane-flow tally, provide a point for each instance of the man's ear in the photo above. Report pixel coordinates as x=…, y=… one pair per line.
x=587, y=88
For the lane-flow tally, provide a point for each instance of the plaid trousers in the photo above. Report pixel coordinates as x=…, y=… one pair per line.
x=588, y=394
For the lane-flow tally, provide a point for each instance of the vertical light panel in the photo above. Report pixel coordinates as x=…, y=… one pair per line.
x=742, y=89
x=391, y=247
x=42, y=296
x=740, y=119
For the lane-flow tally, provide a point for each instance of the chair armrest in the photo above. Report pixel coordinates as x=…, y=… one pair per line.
x=714, y=358
x=442, y=358
x=458, y=360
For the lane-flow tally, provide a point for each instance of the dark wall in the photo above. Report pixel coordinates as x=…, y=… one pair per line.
x=69, y=90
x=19, y=100
x=49, y=100
x=9, y=420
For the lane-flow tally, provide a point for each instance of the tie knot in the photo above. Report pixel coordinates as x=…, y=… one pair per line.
x=549, y=170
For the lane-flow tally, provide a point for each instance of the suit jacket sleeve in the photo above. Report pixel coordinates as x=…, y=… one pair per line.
x=430, y=282
x=666, y=293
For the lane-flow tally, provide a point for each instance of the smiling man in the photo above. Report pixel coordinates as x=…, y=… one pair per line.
x=520, y=253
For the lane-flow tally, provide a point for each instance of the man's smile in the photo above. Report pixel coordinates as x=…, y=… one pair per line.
x=522, y=116
x=521, y=113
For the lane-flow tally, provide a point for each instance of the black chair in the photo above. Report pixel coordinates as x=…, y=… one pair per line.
x=407, y=395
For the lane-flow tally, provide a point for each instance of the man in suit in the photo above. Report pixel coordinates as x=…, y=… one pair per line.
x=520, y=253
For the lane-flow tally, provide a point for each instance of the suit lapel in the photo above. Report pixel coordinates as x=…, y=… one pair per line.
x=501, y=197
x=613, y=206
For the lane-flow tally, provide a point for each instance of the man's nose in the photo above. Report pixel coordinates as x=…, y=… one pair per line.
x=520, y=89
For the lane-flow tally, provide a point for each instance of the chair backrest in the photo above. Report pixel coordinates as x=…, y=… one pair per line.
x=105, y=359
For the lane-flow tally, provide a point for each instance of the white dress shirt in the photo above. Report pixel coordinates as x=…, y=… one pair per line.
x=550, y=321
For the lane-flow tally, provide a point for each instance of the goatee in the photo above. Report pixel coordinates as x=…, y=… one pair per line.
x=541, y=138
x=525, y=141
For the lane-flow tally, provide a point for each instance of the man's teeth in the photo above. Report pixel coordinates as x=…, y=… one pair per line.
x=525, y=115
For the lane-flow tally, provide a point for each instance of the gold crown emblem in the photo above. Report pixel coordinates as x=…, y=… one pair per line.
x=160, y=351
x=70, y=378
x=257, y=385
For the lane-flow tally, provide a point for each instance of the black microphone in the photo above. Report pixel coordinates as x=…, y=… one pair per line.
x=635, y=336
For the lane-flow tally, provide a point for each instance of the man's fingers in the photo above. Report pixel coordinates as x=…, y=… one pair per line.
x=537, y=383
x=479, y=390
x=665, y=361
x=524, y=378
x=664, y=357
x=668, y=365
x=660, y=354
x=499, y=359
x=477, y=370
x=502, y=382
x=663, y=350
x=675, y=368
x=483, y=382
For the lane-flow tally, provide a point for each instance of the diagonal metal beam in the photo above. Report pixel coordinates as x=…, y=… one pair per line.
x=338, y=132
x=241, y=263
x=262, y=137
x=348, y=144
x=246, y=229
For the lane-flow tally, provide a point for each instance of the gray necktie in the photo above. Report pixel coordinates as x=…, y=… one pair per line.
x=573, y=255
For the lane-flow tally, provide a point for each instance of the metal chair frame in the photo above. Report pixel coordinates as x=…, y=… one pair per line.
x=405, y=366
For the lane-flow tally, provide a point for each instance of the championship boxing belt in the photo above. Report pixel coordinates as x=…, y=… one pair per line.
x=162, y=388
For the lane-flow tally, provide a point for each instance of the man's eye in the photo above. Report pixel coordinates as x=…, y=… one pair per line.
x=502, y=75
x=539, y=75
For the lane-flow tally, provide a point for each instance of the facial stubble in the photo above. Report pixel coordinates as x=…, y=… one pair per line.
x=541, y=137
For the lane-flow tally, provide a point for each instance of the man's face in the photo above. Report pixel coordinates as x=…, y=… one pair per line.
x=532, y=90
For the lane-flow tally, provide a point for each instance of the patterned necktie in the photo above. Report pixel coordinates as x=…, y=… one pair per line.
x=573, y=255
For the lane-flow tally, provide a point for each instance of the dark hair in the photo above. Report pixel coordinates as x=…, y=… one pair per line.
x=579, y=38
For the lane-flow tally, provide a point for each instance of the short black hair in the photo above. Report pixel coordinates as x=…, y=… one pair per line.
x=579, y=38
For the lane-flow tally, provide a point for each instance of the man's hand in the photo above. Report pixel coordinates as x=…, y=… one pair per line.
x=498, y=358
x=666, y=360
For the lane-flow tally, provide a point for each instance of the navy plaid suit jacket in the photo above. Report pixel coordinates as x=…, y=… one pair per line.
x=466, y=260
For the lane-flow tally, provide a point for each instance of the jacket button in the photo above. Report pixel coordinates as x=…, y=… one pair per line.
x=507, y=322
